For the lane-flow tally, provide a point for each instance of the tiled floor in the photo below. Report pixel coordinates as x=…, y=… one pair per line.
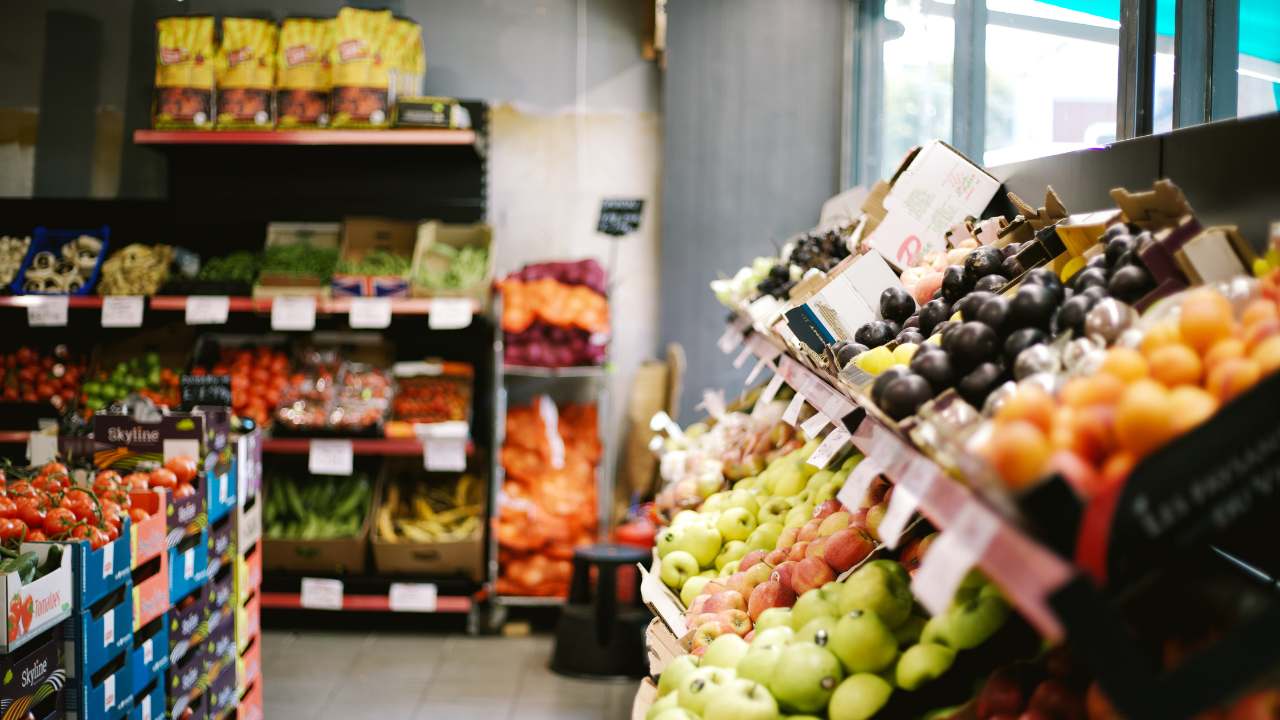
x=322, y=675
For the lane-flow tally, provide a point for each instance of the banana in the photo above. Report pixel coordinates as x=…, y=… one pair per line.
x=438, y=513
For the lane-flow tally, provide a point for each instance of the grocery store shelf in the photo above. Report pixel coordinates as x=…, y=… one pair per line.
x=424, y=138
x=528, y=600
x=178, y=303
x=406, y=447
x=73, y=301
x=366, y=603
x=548, y=372
x=15, y=436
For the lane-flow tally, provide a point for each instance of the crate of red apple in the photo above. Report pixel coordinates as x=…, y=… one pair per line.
x=31, y=376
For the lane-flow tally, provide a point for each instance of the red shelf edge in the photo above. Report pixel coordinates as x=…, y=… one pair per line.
x=423, y=137
x=324, y=306
x=365, y=603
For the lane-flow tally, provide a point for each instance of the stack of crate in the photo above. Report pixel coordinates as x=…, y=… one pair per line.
x=248, y=578
x=31, y=635
x=99, y=633
x=149, y=652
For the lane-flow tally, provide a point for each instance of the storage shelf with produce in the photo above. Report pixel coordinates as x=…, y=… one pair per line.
x=426, y=138
x=1079, y=480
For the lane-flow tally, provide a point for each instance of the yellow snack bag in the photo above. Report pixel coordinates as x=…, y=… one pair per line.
x=408, y=63
x=360, y=68
x=302, y=72
x=184, y=72
x=246, y=68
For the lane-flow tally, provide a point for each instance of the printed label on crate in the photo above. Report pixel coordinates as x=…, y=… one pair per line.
x=412, y=597
x=109, y=693
x=373, y=313
x=208, y=310
x=109, y=627
x=450, y=313
x=42, y=448
x=792, y=413
x=189, y=564
x=50, y=311
x=834, y=443
x=293, y=313
x=145, y=704
x=122, y=310
x=330, y=457
x=321, y=594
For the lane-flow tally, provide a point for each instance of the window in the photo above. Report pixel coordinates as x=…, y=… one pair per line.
x=918, y=81
x=1258, y=74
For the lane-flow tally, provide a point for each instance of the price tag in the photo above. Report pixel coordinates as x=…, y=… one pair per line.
x=951, y=556
x=122, y=311
x=713, y=403
x=450, y=313
x=330, y=457
x=293, y=313
x=372, y=313
x=108, y=561
x=792, y=413
x=741, y=360
x=42, y=448
x=855, y=487
x=902, y=503
x=835, y=441
x=321, y=594
x=109, y=693
x=146, y=707
x=770, y=391
x=109, y=627
x=814, y=425
x=836, y=407
x=412, y=597
x=444, y=454
x=48, y=311
x=730, y=340
x=209, y=309
x=189, y=564
x=148, y=650
x=755, y=371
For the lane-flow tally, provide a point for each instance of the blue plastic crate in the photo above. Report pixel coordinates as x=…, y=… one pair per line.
x=149, y=656
x=149, y=703
x=99, y=634
x=103, y=695
x=52, y=240
x=188, y=565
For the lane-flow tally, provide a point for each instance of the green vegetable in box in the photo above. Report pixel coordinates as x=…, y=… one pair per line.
x=376, y=262
x=466, y=267
x=237, y=267
x=316, y=508
x=299, y=259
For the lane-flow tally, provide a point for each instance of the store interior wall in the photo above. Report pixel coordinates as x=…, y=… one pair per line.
x=752, y=105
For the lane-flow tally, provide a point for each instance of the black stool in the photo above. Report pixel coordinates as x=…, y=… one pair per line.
x=596, y=637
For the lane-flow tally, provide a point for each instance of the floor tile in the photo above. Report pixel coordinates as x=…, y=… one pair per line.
x=478, y=710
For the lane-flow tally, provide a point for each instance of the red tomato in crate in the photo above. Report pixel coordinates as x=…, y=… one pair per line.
x=163, y=478
x=59, y=521
x=183, y=468
x=30, y=512
x=137, y=515
x=183, y=490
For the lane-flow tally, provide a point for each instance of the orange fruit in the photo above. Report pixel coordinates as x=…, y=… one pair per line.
x=1257, y=310
x=1175, y=364
x=1117, y=468
x=1093, y=432
x=1101, y=389
x=1019, y=452
x=1144, y=417
x=1256, y=332
x=1267, y=355
x=1231, y=377
x=1125, y=363
x=1030, y=403
x=1224, y=349
x=1205, y=318
x=1162, y=333
x=1191, y=406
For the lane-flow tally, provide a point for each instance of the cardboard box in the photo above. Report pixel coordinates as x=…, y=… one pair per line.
x=248, y=469
x=457, y=236
x=100, y=633
x=149, y=703
x=222, y=690
x=104, y=695
x=46, y=601
x=182, y=678
x=338, y=555
x=188, y=624
x=661, y=645
x=149, y=654
x=147, y=538
x=222, y=545
x=150, y=590
x=464, y=557
x=220, y=487
x=220, y=646
x=97, y=573
x=251, y=707
x=364, y=235
x=38, y=676
x=849, y=299
x=249, y=665
x=319, y=235
x=248, y=525
x=248, y=623
x=188, y=564
x=646, y=695
x=220, y=591
x=248, y=573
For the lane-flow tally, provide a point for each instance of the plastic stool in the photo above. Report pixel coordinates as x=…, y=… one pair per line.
x=597, y=637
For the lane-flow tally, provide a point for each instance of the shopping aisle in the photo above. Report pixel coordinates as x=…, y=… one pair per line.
x=320, y=675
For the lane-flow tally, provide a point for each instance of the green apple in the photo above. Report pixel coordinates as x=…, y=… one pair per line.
x=798, y=515
x=743, y=497
x=774, y=617
x=827, y=492
x=702, y=542
x=676, y=713
x=790, y=482
x=760, y=661
x=765, y=536
x=817, y=631
x=742, y=699
x=677, y=567
x=692, y=588
x=859, y=697
x=709, y=573
x=773, y=510
x=909, y=632
x=863, y=642
x=666, y=702
x=725, y=652
x=921, y=663
x=777, y=635
x=851, y=462
x=881, y=586
x=732, y=550
x=814, y=603
x=707, y=484
x=736, y=523
x=716, y=502
x=686, y=517
x=970, y=624
x=818, y=479
x=751, y=484
x=675, y=673
x=728, y=569
x=700, y=684
x=805, y=677
x=669, y=539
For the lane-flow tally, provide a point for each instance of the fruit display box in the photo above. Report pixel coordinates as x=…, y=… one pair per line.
x=220, y=646
x=251, y=707
x=149, y=655
x=248, y=573
x=188, y=624
x=661, y=645
x=220, y=591
x=337, y=555
x=188, y=564
x=97, y=573
x=660, y=600
x=151, y=590
x=249, y=665
x=183, y=677
x=364, y=235
x=147, y=539
x=37, y=676
x=222, y=688
x=646, y=694
x=458, y=236
x=104, y=695
x=248, y=462
x=220, y=483
x=248, y=527
x=149, y=703
x=221, y=547
x=39, y=605
x=248, y=622
x=100, y=633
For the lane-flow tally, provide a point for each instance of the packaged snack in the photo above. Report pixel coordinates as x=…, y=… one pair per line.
x=361, y=70
x=184, y=72
x=246, y=68
x=302, y=72
x=408, y=61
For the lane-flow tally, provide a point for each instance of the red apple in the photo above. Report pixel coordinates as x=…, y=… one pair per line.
x=1258, y=705
x=750, y=636
x=738, y=583
x=809, y=530
x=913, y=554
x=782, y=574
x=798, y=550
x=698, y=605
x=725, y=600
x=877, y=491
x=750, y=559
x=826, y=508
x=1001, y=694
x=811, y=573
x=737, y=619
x=767, y=595
x=788, y=537
x=1097, y=706
x=847, y=548
x=714, y=587
x=858, y=518
x=816, y=548
x=708, y=631
x=1055, y=700
x=777, y=557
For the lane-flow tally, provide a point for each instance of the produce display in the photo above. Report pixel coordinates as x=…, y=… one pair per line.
x=431, y=512
x=431, y=398
x=60, y=266
x=377, y=262
x=136, y=270
x=557, y=318
x=454, y=268
x=315, y=508
x=328, y=394
x=299, y=260
x=238, y=267
x=548, y=503
x=258, y=378
x=31, y=376
x=141, y=375
x=12, y=251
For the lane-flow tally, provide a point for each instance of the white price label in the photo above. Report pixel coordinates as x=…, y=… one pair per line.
x=330, y=457
x=412, y=597
x=148, y=650
x=189, y=564
x=109, y=627
x=48, y=311
x=770, y=391
x=321, y=594
x=146, y=707
x=755, y=371
x=730, y=340
x=109, y=693
x=42, y=448
x=713, y=403
x=792, y=413
x=902, y=503
x=108, y=560
x=293, y=313
x=122, y=311
x=372, y=313
x=208, y=309
x=855, y=487
x=952, y=554
x=741, y=360
x=814, y=425
x=450, y=313
x=835, y=441
x=444, y=454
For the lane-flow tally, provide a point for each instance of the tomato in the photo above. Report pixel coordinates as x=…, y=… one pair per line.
x=183, y=468
x=12, y=530
x=81, y=503
x=137, y=515
x=52, y=468
x=97, y=538
x=8, y=508
x=112, y=532
x=30, y=512
x=163, y=478
x=21, y=488
x=36, y=535
x=105, y=484
x=58, y=521
x=137, y=482
x=184, y=490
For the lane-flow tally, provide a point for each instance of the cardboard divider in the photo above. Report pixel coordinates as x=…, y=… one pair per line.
x=41, y=604
x=660, y=600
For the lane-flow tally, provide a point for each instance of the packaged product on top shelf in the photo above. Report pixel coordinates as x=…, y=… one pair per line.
x=553, y=315
x=245, y=73
x=303, y=72
x=185, y=49
x=407, y=58
x=361, y=68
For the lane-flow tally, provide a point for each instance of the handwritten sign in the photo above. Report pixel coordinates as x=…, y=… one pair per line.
x=48, y=311
x=620, y=216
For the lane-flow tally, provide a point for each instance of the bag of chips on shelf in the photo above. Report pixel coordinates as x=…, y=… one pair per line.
x=184, y=72
x=361, y=68
x=246, y=69
x=408, y=61
x=302, y=72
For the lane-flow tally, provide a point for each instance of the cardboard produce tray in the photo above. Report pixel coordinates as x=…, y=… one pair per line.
x=463, y=557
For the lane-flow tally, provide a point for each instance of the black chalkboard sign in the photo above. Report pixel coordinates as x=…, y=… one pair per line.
x=619, y=217
x=205, y=390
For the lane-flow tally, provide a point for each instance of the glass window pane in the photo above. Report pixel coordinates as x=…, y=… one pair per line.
x=917, y=78
x=1162, y=101
x=1051, y=77
x=1258, y=90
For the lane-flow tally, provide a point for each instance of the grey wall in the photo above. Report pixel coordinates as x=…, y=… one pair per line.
x=752, y=99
